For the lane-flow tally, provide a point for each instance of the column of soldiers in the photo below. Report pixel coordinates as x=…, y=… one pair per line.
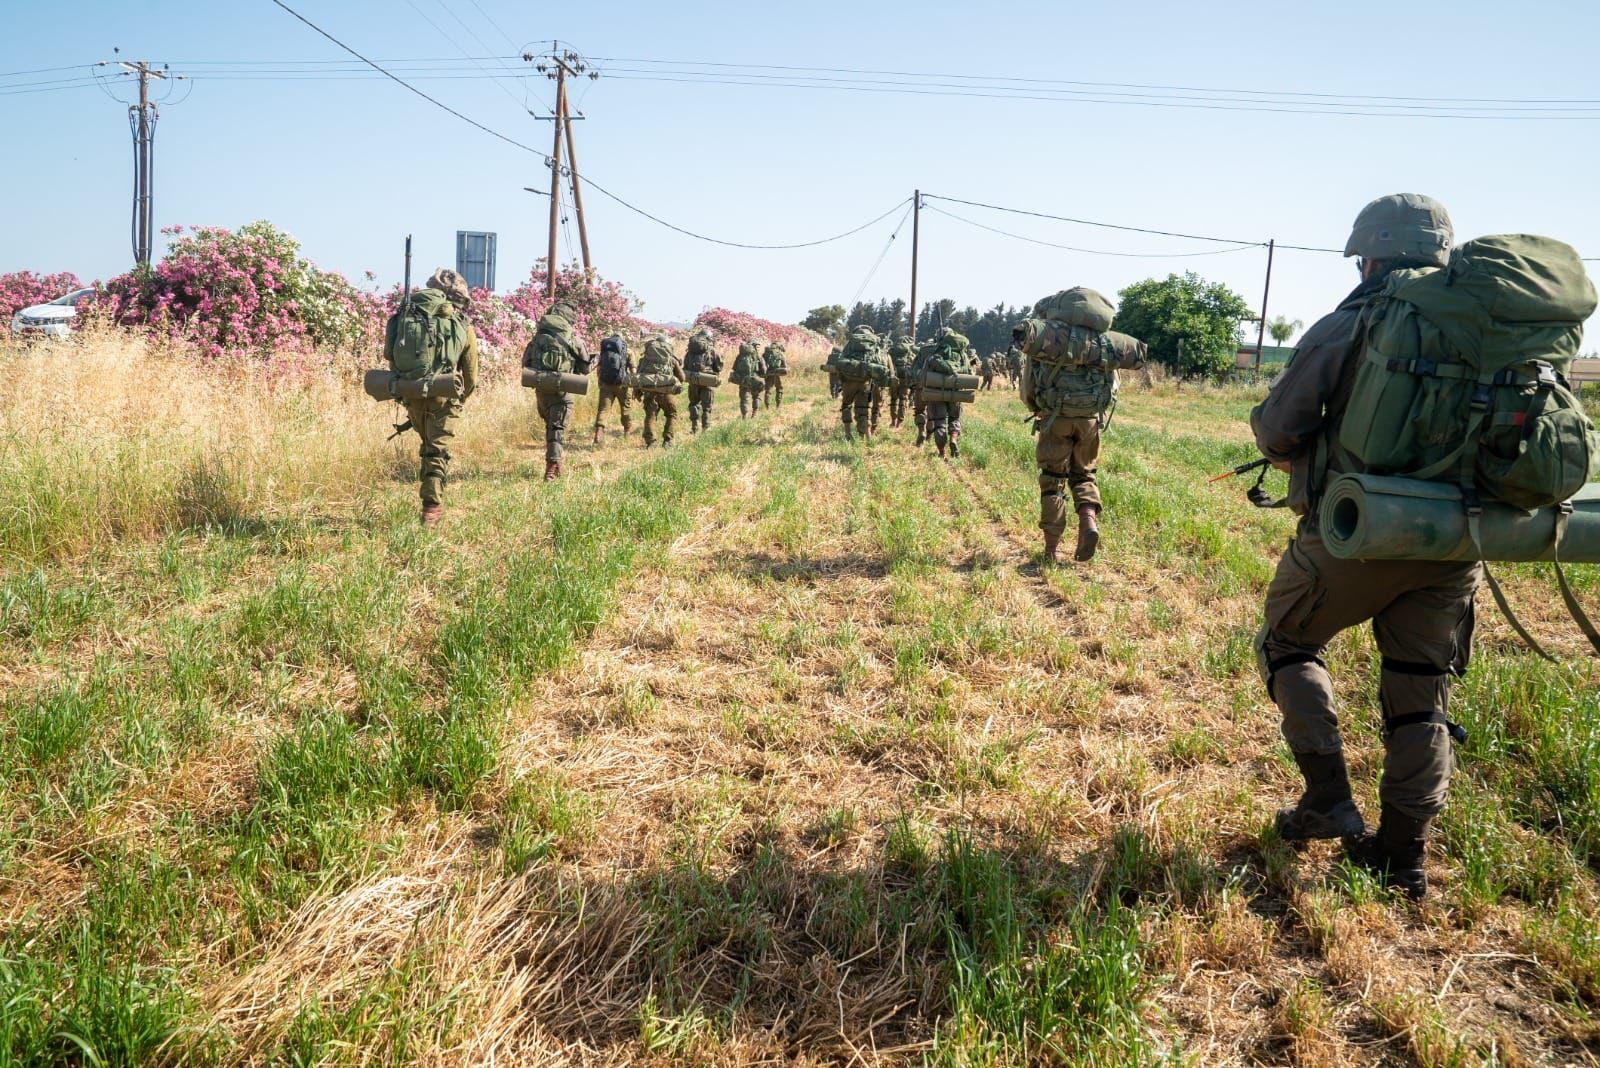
x=1066, y=359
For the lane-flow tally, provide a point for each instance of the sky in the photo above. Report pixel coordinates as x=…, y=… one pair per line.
x=350, y=166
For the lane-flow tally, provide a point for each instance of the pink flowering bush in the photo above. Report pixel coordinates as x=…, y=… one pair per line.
x=731, y=328
x=244, y=291
x=603, y=307
x=23, y=289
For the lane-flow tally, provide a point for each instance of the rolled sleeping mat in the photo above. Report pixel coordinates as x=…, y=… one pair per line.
x=779, y=373
x=658, y=384
x=555, y=381
x=705, y=379
x=948, y=396
x=1379, y=517
x=936, y=381
x=382, y=384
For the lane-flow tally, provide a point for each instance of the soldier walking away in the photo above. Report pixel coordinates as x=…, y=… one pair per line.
x=1421, y=611
x=750, y=374
x=986, y=371
x=884, y=382
x=919, y=407
x=435, y=326
x=615, y=365
x=555, y=347
x=1070, y=386
x=835, y=385
x=949, y=354
x=660, y=362
x=902, y=355
x=855, y=367
x=702, y=357
x=1014, y=365
x=777, y=366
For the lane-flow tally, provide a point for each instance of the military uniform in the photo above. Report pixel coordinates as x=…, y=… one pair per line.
x=777, y=368
x=944, y=417
x=554, y=347
x=434, y=418
x=902, y=355
x=856, y=389
x=666, y=404
x=752, y=373
x=986, y=371
x=1421, y=611
x=618, y=393
x=702, y=356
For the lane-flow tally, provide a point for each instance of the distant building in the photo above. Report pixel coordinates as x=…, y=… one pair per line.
x=475, y=258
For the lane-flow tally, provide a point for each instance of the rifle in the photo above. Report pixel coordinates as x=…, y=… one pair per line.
x=1256, y=494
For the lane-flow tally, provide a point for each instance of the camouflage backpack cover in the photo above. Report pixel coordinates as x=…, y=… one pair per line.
x=655, y=366
x=1463, y=376
x=903, y=354
x=747, y=365
x=1071, y=370
x=775, y=358
x=1078, y=306
x=949, y=354
x=553, y=347
x=854, y=361
x=426, y=337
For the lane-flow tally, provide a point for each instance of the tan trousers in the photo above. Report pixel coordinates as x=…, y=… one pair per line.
x=1067, y=452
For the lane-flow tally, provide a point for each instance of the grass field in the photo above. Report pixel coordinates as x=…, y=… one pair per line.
x=764, y=749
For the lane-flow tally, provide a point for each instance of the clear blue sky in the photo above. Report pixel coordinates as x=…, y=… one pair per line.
x=350, y=166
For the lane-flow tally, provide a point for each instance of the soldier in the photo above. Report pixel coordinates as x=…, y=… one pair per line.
x=884, y=382
x=902, y=354
x=950, y=354
x=616, y=364
x=1421, y=612
x=442, y=304
x=660, y=360
x=777, y=367
x=854, y=366
x=828, y=365
x=919, y=407
x=750, y=372
x=1070, y=388
x=1014, y=364
x=554, y=347
x=703, y=357
x=986, y=371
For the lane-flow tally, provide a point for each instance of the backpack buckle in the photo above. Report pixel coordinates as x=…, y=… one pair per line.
x=1471, y=503
x=1480, y=397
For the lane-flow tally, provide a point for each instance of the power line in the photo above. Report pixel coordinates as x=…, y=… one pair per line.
x=1101, y=85
x=862, y=288
x=588, y=181
x=1194, y=103
x=1092, y=222
x=1096, y=251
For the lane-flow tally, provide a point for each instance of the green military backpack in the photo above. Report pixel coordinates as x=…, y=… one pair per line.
x=1463, y=378
x=552, y=348
x=949, y=354
x=1078, y=306
x=775, y=357
x=427, y=339
x=854, y=361
x=655, y=367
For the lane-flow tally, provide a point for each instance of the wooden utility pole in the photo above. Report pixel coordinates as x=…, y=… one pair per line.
x=1261, y=334
x=916, y=235
x=555, y=174
x=577, y=193
x=142, y=119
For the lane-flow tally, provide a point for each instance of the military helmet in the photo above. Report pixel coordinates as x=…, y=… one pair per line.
x=451, y=285
x=1402, y=226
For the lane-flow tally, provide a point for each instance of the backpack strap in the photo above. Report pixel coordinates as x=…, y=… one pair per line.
x=1574, y=609
x=1511, y=617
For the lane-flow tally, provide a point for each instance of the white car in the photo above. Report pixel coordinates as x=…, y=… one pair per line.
x=53, y=319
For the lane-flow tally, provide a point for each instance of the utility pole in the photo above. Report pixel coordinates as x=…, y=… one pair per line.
x=555, y=176
x=916, y=235
x=142, y=118
x=1261, y=334
x=557, y=64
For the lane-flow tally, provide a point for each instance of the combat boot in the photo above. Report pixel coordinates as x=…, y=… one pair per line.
x=1393, y=853
x=1052, y=544
x=922, y=435
x=1088, y=532
x=955, y=449
x=552, y=470
x=1326, y=809
x=940, y=446
x=431, y=514
x=597, y=435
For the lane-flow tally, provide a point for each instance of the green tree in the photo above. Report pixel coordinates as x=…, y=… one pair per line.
x=825, y=320
x=1283, y=329
x=1191, y=325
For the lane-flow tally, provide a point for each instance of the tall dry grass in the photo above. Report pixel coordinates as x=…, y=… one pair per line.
x=108, y=435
